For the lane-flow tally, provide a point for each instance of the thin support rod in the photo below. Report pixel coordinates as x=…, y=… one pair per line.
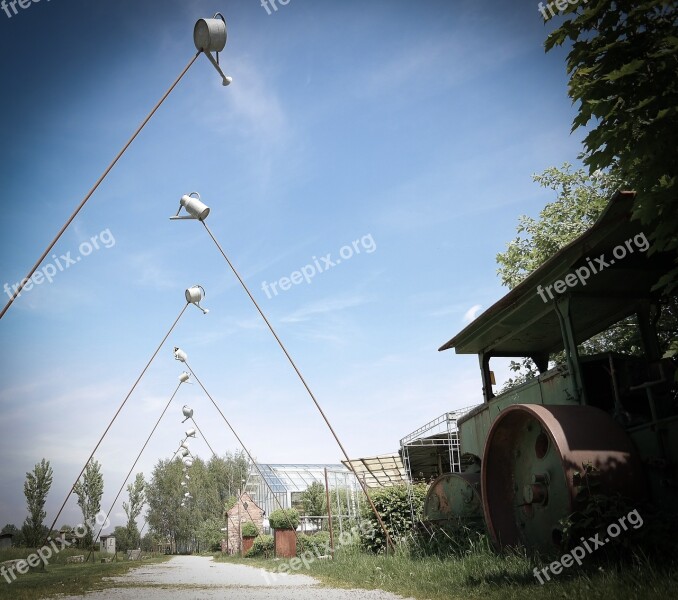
x=24, y=281
x=329, y=511
x=214, y=454
x=389, y=541
x=148, y=439
x=237, y=437
x=101, y=439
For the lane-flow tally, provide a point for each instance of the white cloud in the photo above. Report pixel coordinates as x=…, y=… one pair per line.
x=472, y=313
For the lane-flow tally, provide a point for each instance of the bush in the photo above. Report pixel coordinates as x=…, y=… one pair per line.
x=284, y=518
x=393, y=505
x=318, y=543
x=263, y=545
x=249, y=529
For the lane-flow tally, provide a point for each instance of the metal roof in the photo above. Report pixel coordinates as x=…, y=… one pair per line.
x=379, y=471
x=522, y=324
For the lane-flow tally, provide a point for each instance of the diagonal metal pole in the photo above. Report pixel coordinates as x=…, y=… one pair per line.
x=389, y=541
x=237, y=437
x=101, y=439
x=25, y=280
x=136, y=460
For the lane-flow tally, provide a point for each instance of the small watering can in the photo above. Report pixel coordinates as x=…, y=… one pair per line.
x=195, y=294
x=190, y=433
x=184, y=377
x=179, y=354
x=188, y=413
x=194, y=207
x=209, y=35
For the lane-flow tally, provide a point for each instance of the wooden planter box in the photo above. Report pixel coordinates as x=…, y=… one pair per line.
x=247, y=542
x=285, y=543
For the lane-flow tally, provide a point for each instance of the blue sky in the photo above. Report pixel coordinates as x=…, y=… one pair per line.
x=418, y=124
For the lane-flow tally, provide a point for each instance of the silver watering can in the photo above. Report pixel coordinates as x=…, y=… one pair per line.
x=209, y=35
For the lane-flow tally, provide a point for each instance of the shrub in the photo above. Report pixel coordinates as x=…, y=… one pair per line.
x=393, y=505
x=284, y=518
x=318, y=543
x=263, y=545
x=249, y=529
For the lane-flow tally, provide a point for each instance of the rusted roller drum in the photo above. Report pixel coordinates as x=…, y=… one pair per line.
x=532, y=470
x=454, y=496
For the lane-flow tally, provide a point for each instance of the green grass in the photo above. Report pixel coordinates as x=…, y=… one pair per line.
x=484, y=574
x=61, y=578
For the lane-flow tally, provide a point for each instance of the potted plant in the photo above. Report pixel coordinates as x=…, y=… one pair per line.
x=284, y=522
x=248, y=531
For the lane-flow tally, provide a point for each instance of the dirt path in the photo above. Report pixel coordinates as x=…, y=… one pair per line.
x=200, y=578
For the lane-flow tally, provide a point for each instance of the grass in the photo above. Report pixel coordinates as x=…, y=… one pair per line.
x=62, y=578
x=482, y=573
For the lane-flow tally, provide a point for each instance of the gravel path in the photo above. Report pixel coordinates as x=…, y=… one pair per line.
x=200, y=578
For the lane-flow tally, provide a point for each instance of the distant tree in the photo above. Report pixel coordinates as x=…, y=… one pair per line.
x=18, y=540
x=123, y=540
x=210, y=534
x=89, y=491
x=137, y=499
x=622, y=65
x=314, y=500
x=149, y=543
x=36, y=488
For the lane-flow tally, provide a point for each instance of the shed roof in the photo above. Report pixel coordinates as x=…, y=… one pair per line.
x=522, y=324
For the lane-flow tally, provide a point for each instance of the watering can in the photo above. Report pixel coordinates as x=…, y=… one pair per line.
x=190, y=433
x=179, y=354
x=195, y=294
x=194, y=207
x=209, y=35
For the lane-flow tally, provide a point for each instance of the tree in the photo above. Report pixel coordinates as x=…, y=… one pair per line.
x=622, y=65
x=89, y=491
x=580, y=199
x=137, y=499
x=36, y=488
x=314, y=501
x=18, y=540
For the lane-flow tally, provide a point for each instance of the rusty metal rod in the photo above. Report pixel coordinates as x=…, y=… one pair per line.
x=389, y=541
x=237, y=437
x=148, y=439
x=101, y=439
x=24, y=281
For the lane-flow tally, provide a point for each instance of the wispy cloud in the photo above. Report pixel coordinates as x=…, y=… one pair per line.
x=472, y=313
x=330, y=305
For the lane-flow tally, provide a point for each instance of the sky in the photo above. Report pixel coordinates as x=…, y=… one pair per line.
x=399, y=138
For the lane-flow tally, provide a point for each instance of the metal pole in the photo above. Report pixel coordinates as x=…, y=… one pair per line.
x=389, y=541
x=24, y=281
x=329, y=511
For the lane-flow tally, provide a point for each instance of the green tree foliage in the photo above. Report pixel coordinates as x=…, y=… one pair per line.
x=18, y=541
x=580, y=199
x=393, y=505
x=622, y=64
x=123, y=540
x=209, y=534
x=89, y=491
x=314, y=500
x=137, y=499
x=211, y=485
x=36, y=488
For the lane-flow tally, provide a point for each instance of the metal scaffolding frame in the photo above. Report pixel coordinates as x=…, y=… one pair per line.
x=423, y=451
